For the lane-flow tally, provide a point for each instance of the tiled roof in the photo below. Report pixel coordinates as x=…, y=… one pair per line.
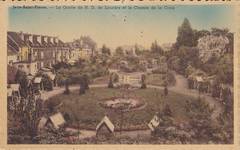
x=12, y=45
x=11, y=50
x=15, y=39
x=107, y=122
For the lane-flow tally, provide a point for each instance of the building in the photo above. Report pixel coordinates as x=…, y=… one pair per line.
x=133, y=79
x=31, y=52
x=17, y=45
x=83, y=48
x=12, y=55
x=105, y=127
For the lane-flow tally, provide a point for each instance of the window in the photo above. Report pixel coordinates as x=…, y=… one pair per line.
x=41, y=55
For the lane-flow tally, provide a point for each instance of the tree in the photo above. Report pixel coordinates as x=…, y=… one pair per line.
x=143, y=80
x=200, y=114
x=165, y=90
x=83, y=84
x=187, y=56
x=106, y=50
x=230, y=45
x=155, y=48
x=21, y=78
x=199, y=34
x=87, y=40
x=82, y=88
x=110, y=83
x=185, y=35
x=119, y=51
x=67, y=91
x=47, y=82
x=86, y=81
x=218, y=32
x=167, y=110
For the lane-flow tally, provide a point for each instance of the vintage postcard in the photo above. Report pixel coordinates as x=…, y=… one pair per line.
x=104, y=74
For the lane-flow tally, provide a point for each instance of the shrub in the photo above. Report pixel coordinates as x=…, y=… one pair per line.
x=47, y=82
x=67, y=91
x=110, y=84
x=143, y=80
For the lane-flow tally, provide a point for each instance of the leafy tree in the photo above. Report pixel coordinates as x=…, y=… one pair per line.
x=82, y=88
x=167, y=110
x=155, y=48
x=86, y=81
x=185, y=56
x=87, y=40
x=106, y=50
x=83, y=84
x=218, y=32
x=200, y=114
x=165, y=90
x=119, y=51
x=185, y=35
x=230, y=45
x=143, y=79
x=21, y=78
x=174, y=63
x=199, y=34
x=47, y=82
x=110, y=83
x=67, y=91
x=61, y=65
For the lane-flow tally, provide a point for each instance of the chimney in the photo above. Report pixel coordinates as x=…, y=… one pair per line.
x=31, y=38
x=55, y=40
x=21, y=35
x=26, y=37
x=48, y=40
x=51, y=40
x=39, y=39
x=43, y=39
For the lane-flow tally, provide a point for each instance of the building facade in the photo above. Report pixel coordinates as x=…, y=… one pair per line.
x=31, y=52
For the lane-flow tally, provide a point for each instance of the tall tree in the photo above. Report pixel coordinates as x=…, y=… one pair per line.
x=155, y=48
x=106, y=50
x=143, y=82
x=119, y=51
x=87, y=40
x=185, y=35
x=21, y=78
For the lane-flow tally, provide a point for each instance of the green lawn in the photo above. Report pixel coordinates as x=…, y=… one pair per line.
x=87, y=110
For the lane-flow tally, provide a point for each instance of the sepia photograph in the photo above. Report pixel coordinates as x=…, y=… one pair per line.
x=127, y=74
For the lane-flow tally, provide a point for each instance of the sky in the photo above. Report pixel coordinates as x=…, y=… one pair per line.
x=119, y=27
